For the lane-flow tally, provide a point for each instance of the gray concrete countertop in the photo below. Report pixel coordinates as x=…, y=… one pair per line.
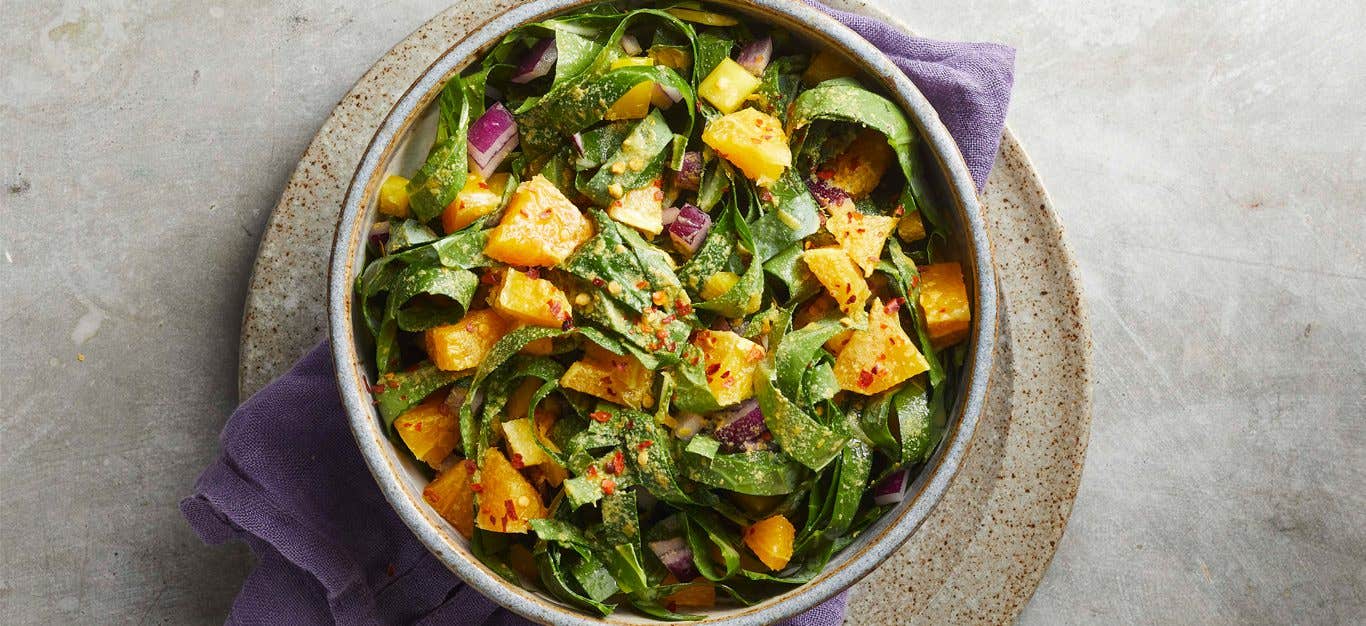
x=1209, y=161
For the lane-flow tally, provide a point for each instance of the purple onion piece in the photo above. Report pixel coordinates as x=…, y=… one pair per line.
x=826, y=194
x=670, y=215
x=630, y=44
x=892, y=489
x=755, y=55
x=537, y=63
x=491, y=138
x=690, y=229
x=742, y=424
x=687, y=425
x=577, y=138
x=668, y=93
x=379, y=235
x=689, y=175
x=676, y=556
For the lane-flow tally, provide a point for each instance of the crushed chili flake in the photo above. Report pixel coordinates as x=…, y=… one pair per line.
x=618, y=464
x=600, y=416
x=683, y=307
x=712, y=369
x=851, y=299
x=511, y=509
x=865, y=378
x=592, y=471
x=630, y=424
x=642, y=284
x=477, y=488
x=376, y=389
x=609, y=486
x=644, y=444
x=470, y=467
x=516, y=460
x=598, y=282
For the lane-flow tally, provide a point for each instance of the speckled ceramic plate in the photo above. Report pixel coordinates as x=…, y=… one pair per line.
x=984, y=548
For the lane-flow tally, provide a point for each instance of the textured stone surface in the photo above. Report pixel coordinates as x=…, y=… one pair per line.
x=1207, y=160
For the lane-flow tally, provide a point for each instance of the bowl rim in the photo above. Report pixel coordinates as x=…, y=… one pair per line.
x=879, y=541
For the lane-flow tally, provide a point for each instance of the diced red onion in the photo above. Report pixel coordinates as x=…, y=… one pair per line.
x=892, y=489
x=687, y=425
x=630, y=44
x=577, y=138
x=689, y=229
x=740, y=425
x=537, y=62
x=756, y=55
x=670, y=215
x=689, y=175
x=666, y=92
x=677, y=556
x=492, y=137
x=457, y=396
x=826, y=194
x=379, y=235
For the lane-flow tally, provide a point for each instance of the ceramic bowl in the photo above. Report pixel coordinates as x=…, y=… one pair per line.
x=400, y=144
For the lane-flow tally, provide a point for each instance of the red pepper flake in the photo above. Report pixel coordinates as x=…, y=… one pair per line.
x=712, y=369
x=668, y=319
x=511, y=509
x=661, y=334
x=600, y=416
x=851, y=299
x=517, y=462
x=592, y=471
x=618, y=463
x=725, y=374
x=900, y=210
x=644, y=444
x=825, y=174
x=865, y=378
x=683, y=307
x=609, y=486
x=642, y=284
x=470, y=467
x=477, y=488
x=417, y=426
x=598, y=282
x=630, y=424
x=376, y=389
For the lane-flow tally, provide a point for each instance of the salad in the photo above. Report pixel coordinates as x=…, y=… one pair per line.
x=667, y=311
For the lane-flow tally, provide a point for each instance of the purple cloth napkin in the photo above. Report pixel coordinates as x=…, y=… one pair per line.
x=967, y=83
x=291, y=483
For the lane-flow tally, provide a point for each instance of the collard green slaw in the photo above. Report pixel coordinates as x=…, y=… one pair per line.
x=666, y=309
